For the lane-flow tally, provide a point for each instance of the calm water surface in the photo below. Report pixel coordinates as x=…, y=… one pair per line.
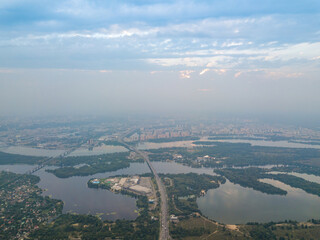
x=308, y=177
x=77, y=197
x=233, y=204
x=230, y=203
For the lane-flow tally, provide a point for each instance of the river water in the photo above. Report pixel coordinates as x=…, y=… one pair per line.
x=230, y=203
x=104, y=149
x=77, y=197
x=233, y=204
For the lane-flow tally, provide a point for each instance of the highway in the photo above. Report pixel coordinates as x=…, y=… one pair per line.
x=164, y=218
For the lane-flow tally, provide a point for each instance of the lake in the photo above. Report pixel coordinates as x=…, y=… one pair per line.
x=233, y=204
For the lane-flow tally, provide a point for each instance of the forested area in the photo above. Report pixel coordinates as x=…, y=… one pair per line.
x=90, y=164
x=7, y=158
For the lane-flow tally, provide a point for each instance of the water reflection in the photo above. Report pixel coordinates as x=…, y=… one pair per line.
x=233, y=204
x=230, y=203
x=308, y=177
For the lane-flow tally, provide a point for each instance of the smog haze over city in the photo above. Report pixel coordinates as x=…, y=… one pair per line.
x=172, y=119
x=160, y=57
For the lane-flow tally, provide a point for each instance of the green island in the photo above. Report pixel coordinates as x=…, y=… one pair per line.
x=22, y=208
x=297, y=182
x=222, y=154
x=89, y=165
x=249, y=177
x=309, y=167
x=183, y=190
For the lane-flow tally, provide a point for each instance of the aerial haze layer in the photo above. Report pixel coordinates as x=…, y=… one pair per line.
x=117, y=57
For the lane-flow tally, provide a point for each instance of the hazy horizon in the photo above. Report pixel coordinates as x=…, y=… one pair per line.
x=160, y=57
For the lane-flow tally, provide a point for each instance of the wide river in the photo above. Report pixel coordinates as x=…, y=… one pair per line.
x=230, y=203
x=104, y=149
x=77, y=197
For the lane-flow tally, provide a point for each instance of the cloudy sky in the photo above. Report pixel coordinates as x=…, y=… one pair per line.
x=231, y=56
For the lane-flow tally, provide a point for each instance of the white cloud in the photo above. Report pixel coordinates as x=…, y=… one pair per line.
x=231, y=44
x=236, y=75
x=204, y=71
x=220, y=71
x=186, y=73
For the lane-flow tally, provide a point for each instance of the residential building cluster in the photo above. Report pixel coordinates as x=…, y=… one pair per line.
x=22, y=208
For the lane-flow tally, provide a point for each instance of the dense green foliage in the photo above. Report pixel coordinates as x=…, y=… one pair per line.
x=93, y=165
x=299, y=169
x=248, y=177
x=8, y=179
x=179, y=232
x=259, y=232
x=22, y=208
x=192, y=183
x=293, y=181
x=7, y=158
x=237, y=154
x=243, y=154
x=182, y=190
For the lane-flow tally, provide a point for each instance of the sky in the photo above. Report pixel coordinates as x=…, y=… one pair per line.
x=104, y=57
